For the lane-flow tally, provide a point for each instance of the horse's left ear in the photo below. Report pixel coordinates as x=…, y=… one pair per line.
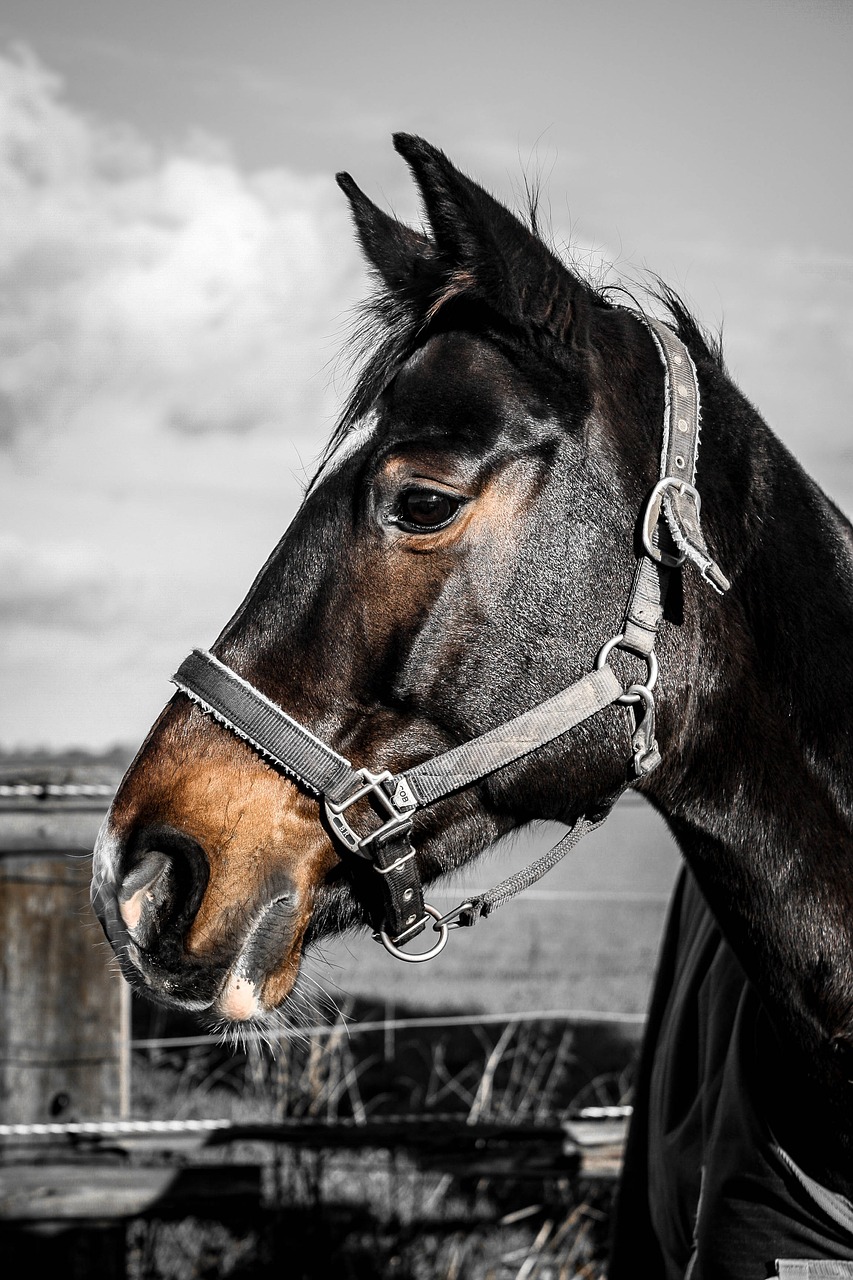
x=397, y=253
x=491, y=253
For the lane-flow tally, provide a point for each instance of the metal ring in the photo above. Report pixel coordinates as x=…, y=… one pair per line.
x=641, y=693
x=418, y=957
x=629, y=699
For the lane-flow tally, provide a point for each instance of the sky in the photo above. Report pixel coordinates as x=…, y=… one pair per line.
x=178, y=273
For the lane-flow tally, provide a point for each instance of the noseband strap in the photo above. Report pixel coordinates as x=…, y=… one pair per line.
x=243, y=709
x=674, y=506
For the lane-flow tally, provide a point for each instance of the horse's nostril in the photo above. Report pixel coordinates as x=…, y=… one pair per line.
x=140, y=884
x=165, y=883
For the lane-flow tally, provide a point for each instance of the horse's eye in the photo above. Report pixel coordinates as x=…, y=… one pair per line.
x=425, y=509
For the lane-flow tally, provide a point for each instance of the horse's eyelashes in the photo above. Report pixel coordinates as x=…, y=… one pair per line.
x=424, y=510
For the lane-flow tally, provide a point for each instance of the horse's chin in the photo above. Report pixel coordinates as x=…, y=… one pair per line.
x=245, y=1020
x=336, y=910
x=244, y=999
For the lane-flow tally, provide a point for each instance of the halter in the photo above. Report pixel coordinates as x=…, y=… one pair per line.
x=674, y=505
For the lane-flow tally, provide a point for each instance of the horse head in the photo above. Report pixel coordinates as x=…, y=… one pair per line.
x=464, y=551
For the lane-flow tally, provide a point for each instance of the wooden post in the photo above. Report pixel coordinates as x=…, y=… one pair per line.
x=64, y=1026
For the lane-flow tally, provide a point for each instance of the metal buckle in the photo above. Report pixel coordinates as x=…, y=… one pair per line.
x=399, y=810
x=652, y=514
x=411, y=957
x=629, y=699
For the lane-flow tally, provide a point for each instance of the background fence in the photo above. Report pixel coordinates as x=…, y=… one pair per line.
x=506, y=1061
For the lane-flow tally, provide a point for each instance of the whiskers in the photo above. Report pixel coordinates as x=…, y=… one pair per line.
x=254, y=1038
x=319, y=1000
x=310, y=1012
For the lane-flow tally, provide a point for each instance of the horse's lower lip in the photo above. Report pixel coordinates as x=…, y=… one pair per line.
x=145, y=972
x=162, y=969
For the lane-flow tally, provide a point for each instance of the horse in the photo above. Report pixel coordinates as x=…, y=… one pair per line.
x=499, y=598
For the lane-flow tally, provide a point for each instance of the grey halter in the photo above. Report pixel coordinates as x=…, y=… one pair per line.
x=674, y=504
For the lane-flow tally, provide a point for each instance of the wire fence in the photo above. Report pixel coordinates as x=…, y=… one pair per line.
x=574, y=1016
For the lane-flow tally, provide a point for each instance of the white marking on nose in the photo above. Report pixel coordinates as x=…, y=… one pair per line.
x=239, y=1000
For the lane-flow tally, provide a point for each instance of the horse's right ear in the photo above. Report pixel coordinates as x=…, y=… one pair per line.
x=394, y=250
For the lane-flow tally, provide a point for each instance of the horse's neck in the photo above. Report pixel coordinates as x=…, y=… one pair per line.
x=762, y=806
x=777, y=668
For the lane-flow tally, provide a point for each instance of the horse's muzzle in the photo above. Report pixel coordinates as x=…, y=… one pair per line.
x=147, y=891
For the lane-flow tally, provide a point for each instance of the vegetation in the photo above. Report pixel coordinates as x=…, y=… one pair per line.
x=391, y=1212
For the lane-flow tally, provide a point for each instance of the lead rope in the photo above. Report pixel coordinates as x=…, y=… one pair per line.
x=481, y=905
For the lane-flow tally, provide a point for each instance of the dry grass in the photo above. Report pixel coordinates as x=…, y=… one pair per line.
x=381, y=1214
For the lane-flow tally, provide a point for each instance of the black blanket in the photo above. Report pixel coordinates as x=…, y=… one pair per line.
x=707, y=1191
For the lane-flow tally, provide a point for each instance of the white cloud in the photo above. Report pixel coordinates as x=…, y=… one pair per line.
x=168, y=326
x=788, y=336
x=174, y=279
x=57, y=577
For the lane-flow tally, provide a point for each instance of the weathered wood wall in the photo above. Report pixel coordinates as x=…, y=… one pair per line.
x=64, y=1027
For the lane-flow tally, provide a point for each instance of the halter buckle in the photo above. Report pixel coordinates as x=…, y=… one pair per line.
x=652, y=514
x=399, y=809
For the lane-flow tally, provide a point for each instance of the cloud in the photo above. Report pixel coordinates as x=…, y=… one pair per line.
x=168, y=327
x=204, y=295
x=788, y=334
x=66, y=579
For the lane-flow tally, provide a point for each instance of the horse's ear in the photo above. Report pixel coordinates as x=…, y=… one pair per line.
x=394, y=250
x=491, y=252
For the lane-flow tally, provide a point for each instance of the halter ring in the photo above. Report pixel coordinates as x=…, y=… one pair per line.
x=416, y=957
x=629, y=699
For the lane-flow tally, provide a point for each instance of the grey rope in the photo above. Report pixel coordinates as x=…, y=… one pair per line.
x=483, y=904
